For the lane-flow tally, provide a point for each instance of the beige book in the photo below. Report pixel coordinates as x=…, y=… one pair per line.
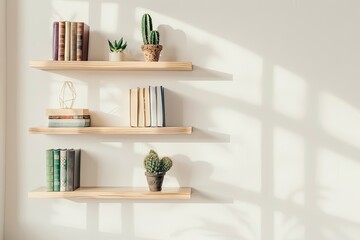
x=67, y=111
x=141, y=108
x=67, y=41
x=134, y=107
x=73, y=41
x=147, y=107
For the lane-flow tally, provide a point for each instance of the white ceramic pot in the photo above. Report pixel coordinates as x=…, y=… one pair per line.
x=116, y=56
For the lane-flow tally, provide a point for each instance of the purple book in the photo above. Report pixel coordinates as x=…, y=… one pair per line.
x=55, y=40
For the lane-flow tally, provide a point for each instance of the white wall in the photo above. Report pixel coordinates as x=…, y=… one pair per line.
x=2, y=111
x=274, y=99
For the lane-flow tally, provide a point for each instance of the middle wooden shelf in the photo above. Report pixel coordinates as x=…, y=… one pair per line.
x=112, y=130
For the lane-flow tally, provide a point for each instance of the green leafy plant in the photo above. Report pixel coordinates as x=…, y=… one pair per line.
x=153, y=164
x=149, y=36
x=117, y=46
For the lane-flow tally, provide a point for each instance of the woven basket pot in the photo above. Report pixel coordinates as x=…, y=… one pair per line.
x=151, y=52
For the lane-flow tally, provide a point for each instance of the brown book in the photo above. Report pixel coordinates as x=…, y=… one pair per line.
x=67, y=40
x=86, y=37
x=147, y=107
x=141, y=102
x=79, y=41
x=134, y=107
x=73, y=41
x=61, y=50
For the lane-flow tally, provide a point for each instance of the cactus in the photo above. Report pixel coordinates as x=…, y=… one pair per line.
x=153, y=164
x=154, y=37
x=146, y=27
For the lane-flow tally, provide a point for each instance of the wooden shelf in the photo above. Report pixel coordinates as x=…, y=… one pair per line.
x=112, y=130
x=111, y=66
x=115, y=193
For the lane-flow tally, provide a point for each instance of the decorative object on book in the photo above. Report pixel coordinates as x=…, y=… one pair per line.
x=67, y=95
x=151, y=39
x=156, y=169
x=117, y=50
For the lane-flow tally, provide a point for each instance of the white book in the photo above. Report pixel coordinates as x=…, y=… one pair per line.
x=63, y=170
x=153, y=114
x=159, y=107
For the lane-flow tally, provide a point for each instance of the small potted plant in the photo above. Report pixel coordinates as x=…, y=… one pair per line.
x=156, y=168
x=116, y=50
x=151, y=39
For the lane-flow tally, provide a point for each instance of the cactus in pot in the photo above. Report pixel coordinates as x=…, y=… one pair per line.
x=151, y=39
x=156, y=169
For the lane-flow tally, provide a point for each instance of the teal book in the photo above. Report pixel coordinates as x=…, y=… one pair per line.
x=56, y=170
x=77, y=168
x=63, y=170
x=70, y=158
x=50, y=170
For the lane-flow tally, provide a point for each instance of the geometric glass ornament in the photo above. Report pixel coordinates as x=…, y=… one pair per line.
x=67, y=95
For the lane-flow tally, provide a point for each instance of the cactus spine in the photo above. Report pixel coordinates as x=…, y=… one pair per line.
x=146, y=27
x=154, y=37
x=153, y=164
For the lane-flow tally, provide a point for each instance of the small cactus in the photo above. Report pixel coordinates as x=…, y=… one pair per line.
x=146, y=27
x=154, y=37
x=153, y=164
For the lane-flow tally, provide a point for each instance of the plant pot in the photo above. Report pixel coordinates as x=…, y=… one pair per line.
x=116, y=56
x=151, y=52
x=155, y=181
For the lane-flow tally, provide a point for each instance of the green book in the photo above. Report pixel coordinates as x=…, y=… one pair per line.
x=63, y=170
x=56, y=170
x=50, y=170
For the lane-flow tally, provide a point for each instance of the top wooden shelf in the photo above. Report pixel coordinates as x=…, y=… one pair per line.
x=111, y=66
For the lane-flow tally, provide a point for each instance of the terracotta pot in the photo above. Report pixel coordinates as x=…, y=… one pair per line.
x=155, y=181
x=151, y=52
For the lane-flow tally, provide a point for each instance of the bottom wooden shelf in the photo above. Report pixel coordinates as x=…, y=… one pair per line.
x=115, y=193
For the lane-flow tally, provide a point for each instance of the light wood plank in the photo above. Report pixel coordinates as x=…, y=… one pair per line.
x=112, y=66
x=115, y=193
x=112, y=130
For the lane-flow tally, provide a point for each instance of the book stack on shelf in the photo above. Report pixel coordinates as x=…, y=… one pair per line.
x=69, y=117
x=147, y=107
x=62, y=170
x=70, y=41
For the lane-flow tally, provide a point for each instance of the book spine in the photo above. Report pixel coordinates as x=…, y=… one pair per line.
x=63, y=169
x=61, y=51
x=70, y=156
x=69, y=117
x=67, y=41
x=159, y=107
x=163, y=105
x=50, y=170
x=141, y=102
x=55, y=40
x=77, y=165
x=67, y=112
x=76, y=121
x=56, y=170
x=86, y=37
x=79, y=41
x=134, y=107
x=73, y=41
x=153, y=106
x=54, y=125
x=147, y=107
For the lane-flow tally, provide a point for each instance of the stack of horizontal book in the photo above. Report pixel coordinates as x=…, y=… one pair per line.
x=70, y=41
x=69, y=117
x=62, y=169
x=147, y=107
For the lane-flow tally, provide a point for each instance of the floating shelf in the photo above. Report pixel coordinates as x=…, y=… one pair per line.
x=115, y=193
x=111, y=66
x=112, y=130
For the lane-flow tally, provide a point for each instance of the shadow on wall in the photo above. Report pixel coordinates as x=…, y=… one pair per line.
x=276, y=33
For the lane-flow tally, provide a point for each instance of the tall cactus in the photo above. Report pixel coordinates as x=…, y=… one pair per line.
x=146, y=27
x=154, y=37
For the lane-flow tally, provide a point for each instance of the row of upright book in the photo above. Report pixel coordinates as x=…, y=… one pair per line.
x=62, y=170
x=70, y=41
x=147, y=107
x=69, y=117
